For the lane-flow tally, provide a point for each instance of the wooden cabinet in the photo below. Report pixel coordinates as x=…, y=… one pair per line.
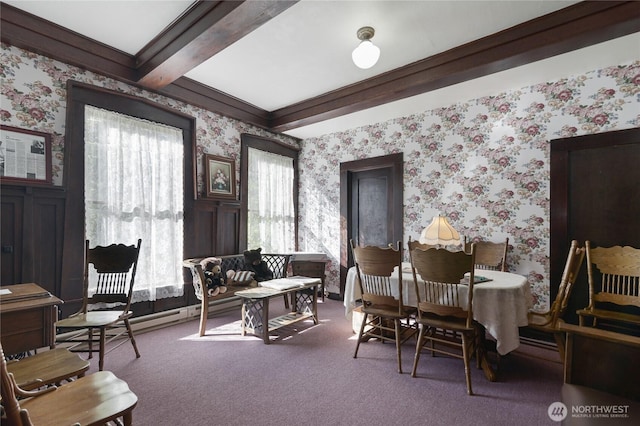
x=28, y=314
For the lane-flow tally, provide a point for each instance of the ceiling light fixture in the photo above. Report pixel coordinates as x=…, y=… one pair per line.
x=366, y=54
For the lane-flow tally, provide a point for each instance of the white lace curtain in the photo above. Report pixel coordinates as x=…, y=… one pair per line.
x=270, y=211
x=134, y=189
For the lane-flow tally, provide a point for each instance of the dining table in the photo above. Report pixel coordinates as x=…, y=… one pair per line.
x=501, y=303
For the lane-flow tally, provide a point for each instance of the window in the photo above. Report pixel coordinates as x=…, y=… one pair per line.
x=134, y=189
x=269, y=194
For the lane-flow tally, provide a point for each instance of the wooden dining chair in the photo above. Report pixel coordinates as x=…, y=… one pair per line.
x=91, y=400
x=443, y=282
x=113, y=269
x=50, y=367
x=384, y=315
x=549, y=321
x=489, y=255
x=614, y=284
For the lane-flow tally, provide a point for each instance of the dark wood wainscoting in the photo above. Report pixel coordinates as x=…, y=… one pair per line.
x=32, y=235
x=32, y=227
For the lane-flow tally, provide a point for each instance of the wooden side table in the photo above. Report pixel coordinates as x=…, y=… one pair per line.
x=28, y=314
x=312, y=269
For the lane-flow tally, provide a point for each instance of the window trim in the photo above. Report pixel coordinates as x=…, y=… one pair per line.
x=275, y=147
x=78, y=95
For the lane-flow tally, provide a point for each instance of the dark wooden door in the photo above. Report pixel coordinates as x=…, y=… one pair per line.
x=595, y=196
x=371, y=196
x=371, y=207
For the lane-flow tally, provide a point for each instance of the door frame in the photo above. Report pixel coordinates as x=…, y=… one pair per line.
x=393, y=161
x=560, y=197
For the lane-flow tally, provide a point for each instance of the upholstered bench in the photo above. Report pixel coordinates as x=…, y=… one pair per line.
x=278, y=263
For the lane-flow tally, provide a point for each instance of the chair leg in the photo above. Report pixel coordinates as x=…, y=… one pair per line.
x=398, y=345
x=364, y=321
x=466, y=353
x=559, y=338
x=286, y=301
x=102, y=345
x=419, y=345
x=90, y=342
x=133, y=340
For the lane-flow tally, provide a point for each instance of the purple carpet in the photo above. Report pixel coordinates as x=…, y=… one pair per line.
x=308, y=376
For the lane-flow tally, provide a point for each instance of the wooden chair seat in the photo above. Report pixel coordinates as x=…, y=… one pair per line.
x=91, y=400
x=85, y=401
x=47, y=368
x=610, y=315
x=93, y=319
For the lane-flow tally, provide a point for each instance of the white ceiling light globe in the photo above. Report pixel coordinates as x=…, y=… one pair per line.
x=365, y=55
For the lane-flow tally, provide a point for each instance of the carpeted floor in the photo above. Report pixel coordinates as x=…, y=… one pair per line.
x=308, y=376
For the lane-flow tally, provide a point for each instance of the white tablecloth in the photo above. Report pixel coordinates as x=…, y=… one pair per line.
x=500, y=305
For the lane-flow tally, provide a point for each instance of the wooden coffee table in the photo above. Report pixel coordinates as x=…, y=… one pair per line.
x=255, y=304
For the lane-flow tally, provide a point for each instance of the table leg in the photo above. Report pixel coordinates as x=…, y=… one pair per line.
x=306, y=302
x=255, y=318
x=489, y=372
x=265, y=322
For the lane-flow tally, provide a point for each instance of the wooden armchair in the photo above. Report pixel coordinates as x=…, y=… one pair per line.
x=92, y=400
x=115, y=270
x=382, y=301
x=444, y=288
x=614, y=284
x=489, y=255
x=548, y=322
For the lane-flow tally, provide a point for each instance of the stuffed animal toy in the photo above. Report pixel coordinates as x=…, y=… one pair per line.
x=253, y=262
x=214, y=279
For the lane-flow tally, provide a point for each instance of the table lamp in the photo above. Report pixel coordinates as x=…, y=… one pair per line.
x=440, y=232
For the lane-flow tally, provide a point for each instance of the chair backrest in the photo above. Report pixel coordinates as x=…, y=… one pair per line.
x=277, y=263
x=569, y=276
x=489, y=255
x=619, y=268
x=375, y=267
x=443, y=281
x=113, y=268
x=14, y=414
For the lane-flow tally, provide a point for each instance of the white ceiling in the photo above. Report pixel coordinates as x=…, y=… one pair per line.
x=306, y=50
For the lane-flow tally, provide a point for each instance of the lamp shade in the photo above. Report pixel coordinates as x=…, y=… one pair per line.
x=365, y=55
x=440, y=232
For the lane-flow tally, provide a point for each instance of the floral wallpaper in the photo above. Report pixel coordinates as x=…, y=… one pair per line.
x=482, y=162
x=33, y=96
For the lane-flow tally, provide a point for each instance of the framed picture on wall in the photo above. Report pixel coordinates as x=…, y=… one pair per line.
x=220, y=177
x=25, y=156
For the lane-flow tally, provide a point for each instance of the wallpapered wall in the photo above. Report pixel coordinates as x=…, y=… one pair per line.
x=484, y=162
x=33, y=96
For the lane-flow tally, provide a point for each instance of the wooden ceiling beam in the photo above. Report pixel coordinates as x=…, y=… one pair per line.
x=574, y=27
x=204, y=30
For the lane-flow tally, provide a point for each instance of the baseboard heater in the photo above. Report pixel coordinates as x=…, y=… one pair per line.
x=186, y=313
x=174, y=316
